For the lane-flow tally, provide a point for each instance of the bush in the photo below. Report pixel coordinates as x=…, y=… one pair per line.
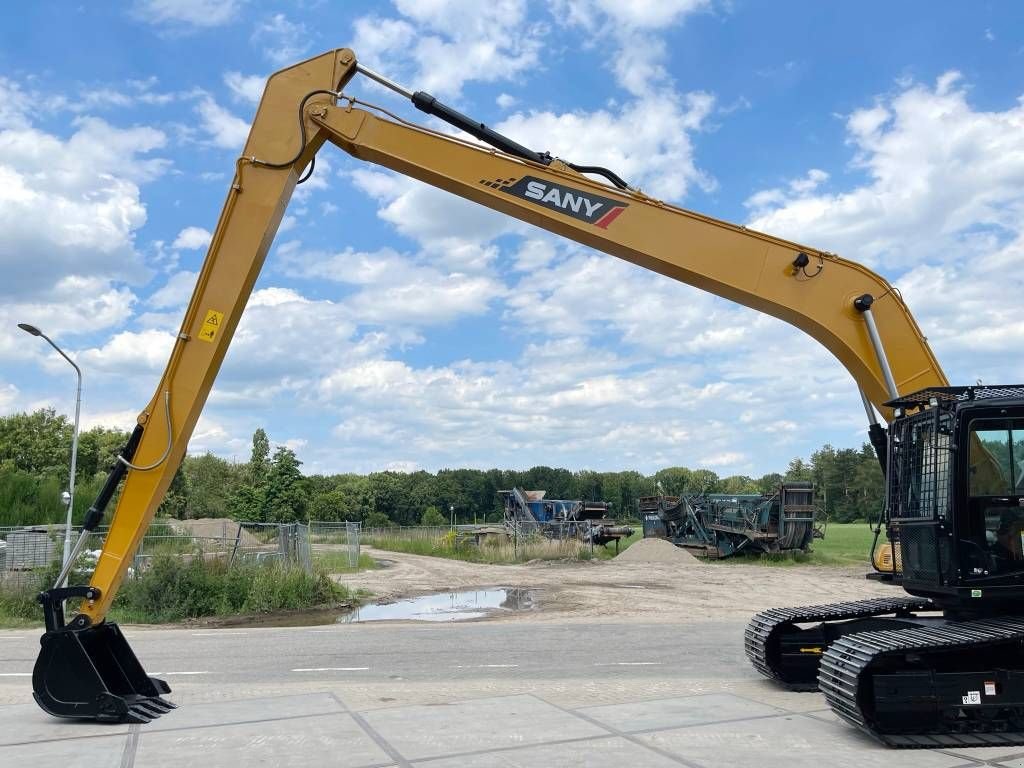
x=18, y=604
x=172, y=589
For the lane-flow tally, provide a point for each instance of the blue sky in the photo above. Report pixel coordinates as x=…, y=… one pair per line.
x=397, y=327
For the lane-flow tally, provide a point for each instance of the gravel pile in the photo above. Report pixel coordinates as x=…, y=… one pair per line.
x=216, y=528
x=656, y=551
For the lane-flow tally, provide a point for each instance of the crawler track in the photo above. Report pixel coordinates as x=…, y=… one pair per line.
x=847, y=666
x=762, y=634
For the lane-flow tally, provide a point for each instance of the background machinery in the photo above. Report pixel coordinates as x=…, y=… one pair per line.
x=940, y=667
x=721, y=525
x=529, y=512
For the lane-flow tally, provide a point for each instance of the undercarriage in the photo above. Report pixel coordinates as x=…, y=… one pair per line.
x=899, y=671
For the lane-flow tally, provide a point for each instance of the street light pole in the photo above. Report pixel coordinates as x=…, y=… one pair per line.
x=74, y=438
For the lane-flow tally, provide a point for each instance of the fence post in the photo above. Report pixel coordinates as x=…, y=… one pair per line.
x=303, y=547
x=234, y=549
x=352, y=531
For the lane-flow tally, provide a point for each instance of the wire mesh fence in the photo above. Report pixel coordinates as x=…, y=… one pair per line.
x=24, y=551
x=336, y=542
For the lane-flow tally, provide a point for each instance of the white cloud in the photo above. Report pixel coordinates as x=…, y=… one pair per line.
x=941, y=174
x=192, y=13
x=560, y=403
x=14, y=105
x=394, y=290
x=728, y=459
x=224, y=129
x=73, y=305
x=440, y=45
x=174, y=294
x=640, y=14
x=646, y=142
x=436, y=219
x=213, y=435
x=638, y=60
x=245, y=88
x=123, y=419
x=969, y=309
x=940, y=214
x=506, y=101
x=129, y=353
x=283, y=42
x=8, y=398
x=284, y=336
x=71, y=207
x=192, y=238
x=294, y=443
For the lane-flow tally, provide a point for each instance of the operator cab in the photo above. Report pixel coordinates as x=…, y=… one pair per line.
x=956, y=493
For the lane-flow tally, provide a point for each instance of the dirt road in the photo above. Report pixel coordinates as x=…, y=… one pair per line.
x=612, y=590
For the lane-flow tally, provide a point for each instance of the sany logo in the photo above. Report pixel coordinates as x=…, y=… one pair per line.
x=586, y=206
x=562, y=198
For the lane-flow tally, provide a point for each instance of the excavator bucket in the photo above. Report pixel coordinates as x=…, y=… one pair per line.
x=90, y=672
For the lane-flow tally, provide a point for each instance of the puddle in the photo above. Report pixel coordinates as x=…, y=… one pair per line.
x=444, y=606
x=448, y=606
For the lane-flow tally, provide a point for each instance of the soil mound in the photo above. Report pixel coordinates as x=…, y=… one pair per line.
x=216, y=528
x=656, y=551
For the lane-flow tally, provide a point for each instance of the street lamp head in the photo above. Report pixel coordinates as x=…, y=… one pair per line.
x=30, y=329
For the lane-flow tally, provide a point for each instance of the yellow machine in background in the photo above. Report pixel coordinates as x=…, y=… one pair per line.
x=886, y=558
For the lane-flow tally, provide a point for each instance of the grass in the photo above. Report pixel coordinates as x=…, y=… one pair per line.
x=172, y=590
x=493, y=551
x=499, y=551
x=337, y=562
x=844, y=545
x=608, y=552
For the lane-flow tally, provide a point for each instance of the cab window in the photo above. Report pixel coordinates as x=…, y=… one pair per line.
x=995, y=545
x=996, y=451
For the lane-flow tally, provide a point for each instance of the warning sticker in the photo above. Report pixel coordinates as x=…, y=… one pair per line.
x=972, y=697
x=990, y=688
x=211, y=325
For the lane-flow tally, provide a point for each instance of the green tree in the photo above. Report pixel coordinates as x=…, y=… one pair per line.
x=739, y=484
x=704, y=481
x=98, y=449
x=246, y=503
x=211, y=481
x=769, y=484
x=175, y=503
x=284, y=497
x=259, y=459
x=433, y=516
x=675, y=481
x=335, y=505
x=798, y=470
x=38, y=443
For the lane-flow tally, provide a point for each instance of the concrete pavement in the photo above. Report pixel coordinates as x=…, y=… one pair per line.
x=478, y=694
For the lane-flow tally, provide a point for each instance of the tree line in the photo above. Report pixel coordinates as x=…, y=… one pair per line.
x=270, y=486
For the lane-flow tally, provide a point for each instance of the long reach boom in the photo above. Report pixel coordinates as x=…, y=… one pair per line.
x=851, y=310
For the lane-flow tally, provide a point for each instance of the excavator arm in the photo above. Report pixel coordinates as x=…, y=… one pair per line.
x=853, y=312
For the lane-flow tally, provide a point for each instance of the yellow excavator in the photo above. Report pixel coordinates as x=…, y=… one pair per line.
x=938, y=667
